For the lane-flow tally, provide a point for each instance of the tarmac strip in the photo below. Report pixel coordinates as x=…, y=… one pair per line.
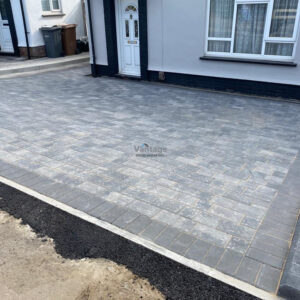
x=77, y=235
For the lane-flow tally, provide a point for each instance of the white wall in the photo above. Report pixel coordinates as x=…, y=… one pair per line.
x=99, y=31
x=16, y=10
x=71, y=9
x=176, y=40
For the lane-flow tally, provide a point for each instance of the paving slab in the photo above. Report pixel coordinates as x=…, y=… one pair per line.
x=225, y=192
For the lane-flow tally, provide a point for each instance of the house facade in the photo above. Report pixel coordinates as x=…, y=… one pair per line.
x=21, y=20
x=236, y=45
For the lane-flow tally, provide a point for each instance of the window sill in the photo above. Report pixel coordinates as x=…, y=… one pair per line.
x=250, y=61
x=53, y=14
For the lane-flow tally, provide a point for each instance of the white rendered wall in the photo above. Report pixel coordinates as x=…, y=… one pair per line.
x=16, y=10
x=176, y=31
x=99, y=31
x=176, y=41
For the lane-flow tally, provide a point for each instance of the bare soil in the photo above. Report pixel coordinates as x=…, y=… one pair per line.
x=30, y=268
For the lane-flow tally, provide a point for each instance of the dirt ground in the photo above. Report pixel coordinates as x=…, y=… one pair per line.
x=31, y=269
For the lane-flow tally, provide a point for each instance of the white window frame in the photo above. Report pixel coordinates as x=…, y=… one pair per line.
x=266, y=38
x=51, y=7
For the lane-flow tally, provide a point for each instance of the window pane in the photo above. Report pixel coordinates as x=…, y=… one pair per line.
x=283, y=18
x=220, y=18
x=55, y=4
x=281, y=49
x=46, y=5
x=249, y=31
x=219, y=46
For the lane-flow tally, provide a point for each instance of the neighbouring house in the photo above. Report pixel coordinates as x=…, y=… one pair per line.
x=21, y=20
x=248, y=46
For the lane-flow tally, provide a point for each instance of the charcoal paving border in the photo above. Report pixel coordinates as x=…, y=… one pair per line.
x=76, y=239
x=230, y=262
x=290, y=283
x=289, y=287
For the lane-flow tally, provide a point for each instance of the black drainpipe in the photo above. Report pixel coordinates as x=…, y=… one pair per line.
x=25, y=29
x=94, y=73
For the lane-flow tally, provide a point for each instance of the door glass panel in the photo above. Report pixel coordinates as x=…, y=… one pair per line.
x=136, y=29
x=130, y=8
x=127, y=28
x=3, y=10
x=250, y=25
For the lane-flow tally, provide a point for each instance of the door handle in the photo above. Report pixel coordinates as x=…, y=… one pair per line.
x=132, y=42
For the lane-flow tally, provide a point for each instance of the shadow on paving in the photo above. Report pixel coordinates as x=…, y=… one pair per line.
x=77, y=239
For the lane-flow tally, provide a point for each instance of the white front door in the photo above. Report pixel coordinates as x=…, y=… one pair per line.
x=127, y=18
x=6, y=44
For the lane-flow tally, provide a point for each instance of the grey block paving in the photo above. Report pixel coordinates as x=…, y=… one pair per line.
x=226, y=194
x=167, y=236
x=139, y=224
x=290, y=283
x=113, y=214
x=236, y=230
x=182, y=243
x=230, y=262
x=38, y=183
x=198, y=250
x=249, y=270
x=99, y=211
x=200, y=216
x=126, y=218
x=28, y=176
x=265, y=257
x=213, y=256
x=250, y=222
x=54, y=190
x=273, y=249
x=211, y=235
x=268, y=278
x=143, y=208
x=153, y=230
x=17, y=174
x=238, y=245
x=84, y=202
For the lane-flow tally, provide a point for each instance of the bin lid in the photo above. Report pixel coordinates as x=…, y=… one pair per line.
x=50, y=28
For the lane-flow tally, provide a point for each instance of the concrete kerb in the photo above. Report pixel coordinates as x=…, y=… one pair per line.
x=145, y=243
x=43, y=65
x=54, y=68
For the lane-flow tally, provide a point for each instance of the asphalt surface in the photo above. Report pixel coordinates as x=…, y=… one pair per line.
x=77, y=239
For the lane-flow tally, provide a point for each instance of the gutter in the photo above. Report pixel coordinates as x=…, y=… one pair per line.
x=92, y=39
x=25, y=29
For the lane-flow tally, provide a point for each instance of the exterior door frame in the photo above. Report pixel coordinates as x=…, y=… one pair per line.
x=12, y=29
x=112, y=41
x=120, y=39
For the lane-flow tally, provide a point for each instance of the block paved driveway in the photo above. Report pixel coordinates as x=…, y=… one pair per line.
x=226, y=193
